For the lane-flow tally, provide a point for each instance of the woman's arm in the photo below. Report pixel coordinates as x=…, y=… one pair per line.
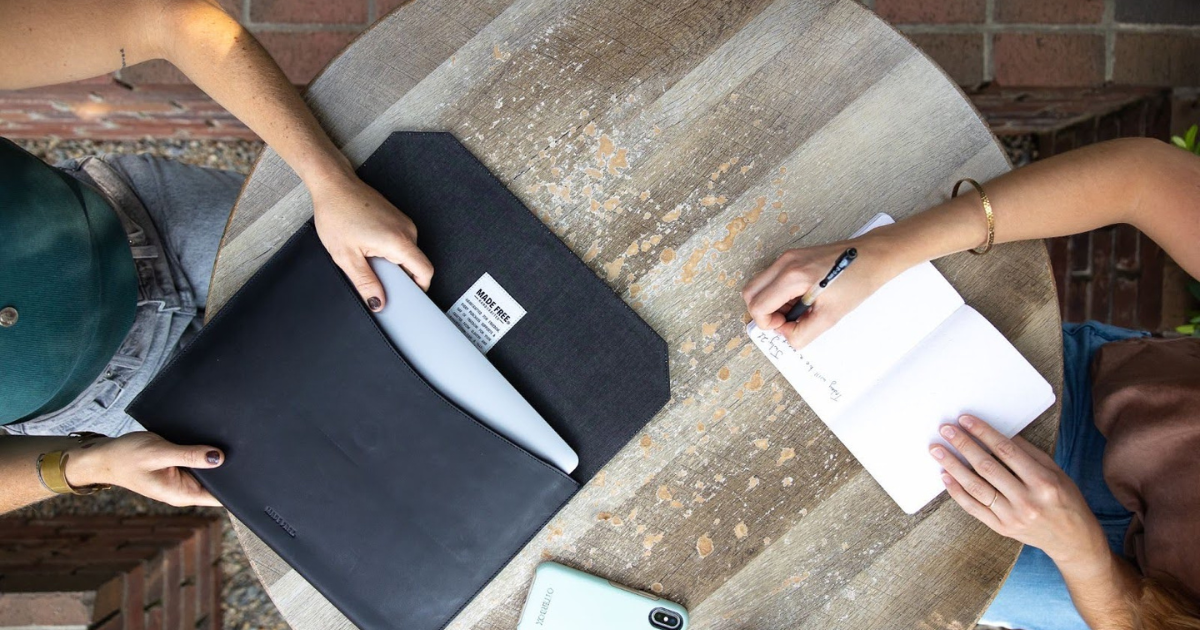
x=141, y=462
x=1143, y=182
x=52, y=41
x=1019, y=492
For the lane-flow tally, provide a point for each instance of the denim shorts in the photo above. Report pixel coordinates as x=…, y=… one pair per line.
x=1035, y=597
x=174, y=215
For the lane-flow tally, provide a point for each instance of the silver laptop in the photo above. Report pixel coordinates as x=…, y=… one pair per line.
x=440, y=352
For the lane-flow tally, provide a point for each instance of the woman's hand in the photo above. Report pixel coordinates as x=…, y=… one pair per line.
x=356, y=222
x=773, y=291
x=1019, y=492
x=146, y=464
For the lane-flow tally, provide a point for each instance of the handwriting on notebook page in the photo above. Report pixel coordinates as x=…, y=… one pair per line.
x=781, y=352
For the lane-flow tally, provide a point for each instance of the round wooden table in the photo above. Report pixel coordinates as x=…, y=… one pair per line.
x=678, y=147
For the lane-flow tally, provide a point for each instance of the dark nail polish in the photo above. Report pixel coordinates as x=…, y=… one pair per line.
x=213, y=457
x=373, y=303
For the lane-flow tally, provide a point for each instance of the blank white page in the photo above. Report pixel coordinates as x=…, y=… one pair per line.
x=838, y=367
x=965, y=367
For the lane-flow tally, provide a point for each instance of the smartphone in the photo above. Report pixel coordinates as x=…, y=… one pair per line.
x=562, y=598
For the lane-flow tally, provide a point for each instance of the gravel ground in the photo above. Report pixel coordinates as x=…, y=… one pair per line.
x=247, y=606
x=237, y=155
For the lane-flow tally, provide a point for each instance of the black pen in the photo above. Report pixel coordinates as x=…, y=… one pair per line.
x=806, y=300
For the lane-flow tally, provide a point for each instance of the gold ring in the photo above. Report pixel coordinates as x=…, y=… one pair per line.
x=993, y=500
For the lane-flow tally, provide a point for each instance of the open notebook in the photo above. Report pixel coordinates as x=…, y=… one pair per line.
x=911, y=357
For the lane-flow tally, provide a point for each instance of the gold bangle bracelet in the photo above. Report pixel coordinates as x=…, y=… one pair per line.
x=987, y=211
x=52, y=469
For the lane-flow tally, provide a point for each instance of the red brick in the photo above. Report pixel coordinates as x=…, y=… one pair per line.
x=190, y=553
x=1101, y=281
x=153, y=617
x=108, y=600
x=172, y=578
x=155, y=584
x=135, y=599
x=1124, y=302
x=931, y=11
x=1108, y=127
x=187, y=601
x=1158, y=118
x=1048, y=59
x=1049, y=11
x=961, y=56
x=116, y=622
x=309, y=11
x=303, y=55
x=1157, y=59
x=1150, y=295
x=1180, y=12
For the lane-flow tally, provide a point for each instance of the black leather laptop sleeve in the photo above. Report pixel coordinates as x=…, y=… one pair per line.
x=391, y=500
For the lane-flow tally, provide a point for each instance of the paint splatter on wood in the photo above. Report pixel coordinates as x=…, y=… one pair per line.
x=785, y=454
x=704, y=546
x=741, y=530
x=762, y=444
x=795, y=580
x=605, y=149
x=592, y=252
x=618, y=162
x=613, y=269
x=736, y=226
x=689, y=268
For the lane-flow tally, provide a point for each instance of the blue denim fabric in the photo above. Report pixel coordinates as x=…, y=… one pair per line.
x=1035, y=597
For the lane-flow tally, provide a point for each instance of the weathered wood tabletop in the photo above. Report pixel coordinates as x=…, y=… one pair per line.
x=678, y=146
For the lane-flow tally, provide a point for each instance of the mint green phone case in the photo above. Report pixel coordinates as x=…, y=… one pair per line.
x=562, y=598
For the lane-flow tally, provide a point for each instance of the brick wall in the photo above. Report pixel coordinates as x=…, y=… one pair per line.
x=1057, y=43
x=110, y=573
x=1025, y=43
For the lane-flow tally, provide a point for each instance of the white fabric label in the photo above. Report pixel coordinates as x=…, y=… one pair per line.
x=485, y=313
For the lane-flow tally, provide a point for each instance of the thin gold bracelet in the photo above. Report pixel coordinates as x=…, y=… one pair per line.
x=987, y=211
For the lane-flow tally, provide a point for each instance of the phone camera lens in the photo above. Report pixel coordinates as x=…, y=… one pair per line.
x=664, y=619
